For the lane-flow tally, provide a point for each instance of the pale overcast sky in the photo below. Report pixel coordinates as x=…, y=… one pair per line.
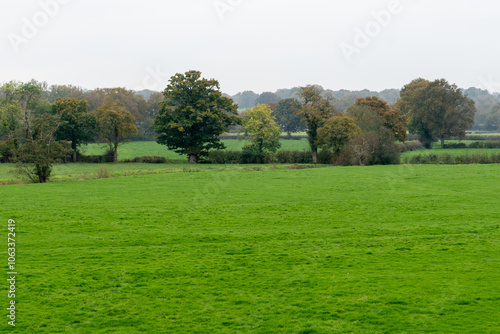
x=259, y=45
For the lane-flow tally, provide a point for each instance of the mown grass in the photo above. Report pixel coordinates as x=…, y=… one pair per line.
x=394, y=249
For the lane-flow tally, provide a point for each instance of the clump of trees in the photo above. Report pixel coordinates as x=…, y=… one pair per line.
x=36, y=133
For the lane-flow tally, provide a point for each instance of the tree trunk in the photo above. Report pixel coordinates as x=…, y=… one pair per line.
x=115, y=153
x=315, y=156
x=442, y=143
x=73, y=147
x=193, y=159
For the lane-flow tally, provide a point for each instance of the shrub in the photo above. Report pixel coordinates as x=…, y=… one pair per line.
x=447, y=159
x=371, y=148
x=103, y=173
x=410, y=146
x=148, y=160
x=294, y=157
x=326, y=157
x=248, y=157
x=7, y=148
x=217, y=157
x=455, y=145
x=476, y=145
x=97, y=159
x=492, y=144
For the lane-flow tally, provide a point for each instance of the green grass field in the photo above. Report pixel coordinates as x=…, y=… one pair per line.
x=385, y=249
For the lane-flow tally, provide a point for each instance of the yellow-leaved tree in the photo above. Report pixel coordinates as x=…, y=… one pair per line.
x=262, y=131
x=114, y=125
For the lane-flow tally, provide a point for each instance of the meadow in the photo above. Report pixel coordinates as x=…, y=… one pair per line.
x=384, y=249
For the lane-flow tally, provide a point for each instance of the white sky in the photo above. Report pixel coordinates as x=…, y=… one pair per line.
x=259, y=45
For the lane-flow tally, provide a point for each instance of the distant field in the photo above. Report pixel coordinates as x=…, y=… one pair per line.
x=384, y=249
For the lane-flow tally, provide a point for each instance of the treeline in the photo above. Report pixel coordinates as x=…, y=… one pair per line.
x=41, y=125
x=142, y=105
x=488, y=105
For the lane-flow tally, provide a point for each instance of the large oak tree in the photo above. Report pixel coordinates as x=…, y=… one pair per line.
x=194, y=115
x=436, y=110
x=286, y=116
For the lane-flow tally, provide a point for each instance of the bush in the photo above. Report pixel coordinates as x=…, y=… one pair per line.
x=232, y=157
x=326, y=157
x=447, y=159
x=148, y=160
x=97, y=159
x=217, y=157
x=7, y=148
x=411, y=146
x=371, y=148
x=294, y=157
x=248, y=157
x=455, y=145
x=103, y=173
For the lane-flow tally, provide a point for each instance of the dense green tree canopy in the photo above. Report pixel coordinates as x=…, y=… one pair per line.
x=393, y=118
x=262, y=130
x=267, y=97
x=286, y=116
x=76, y=124
x=194, y=115
x=493, y=118
x=337, y=132
x=436, y=110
